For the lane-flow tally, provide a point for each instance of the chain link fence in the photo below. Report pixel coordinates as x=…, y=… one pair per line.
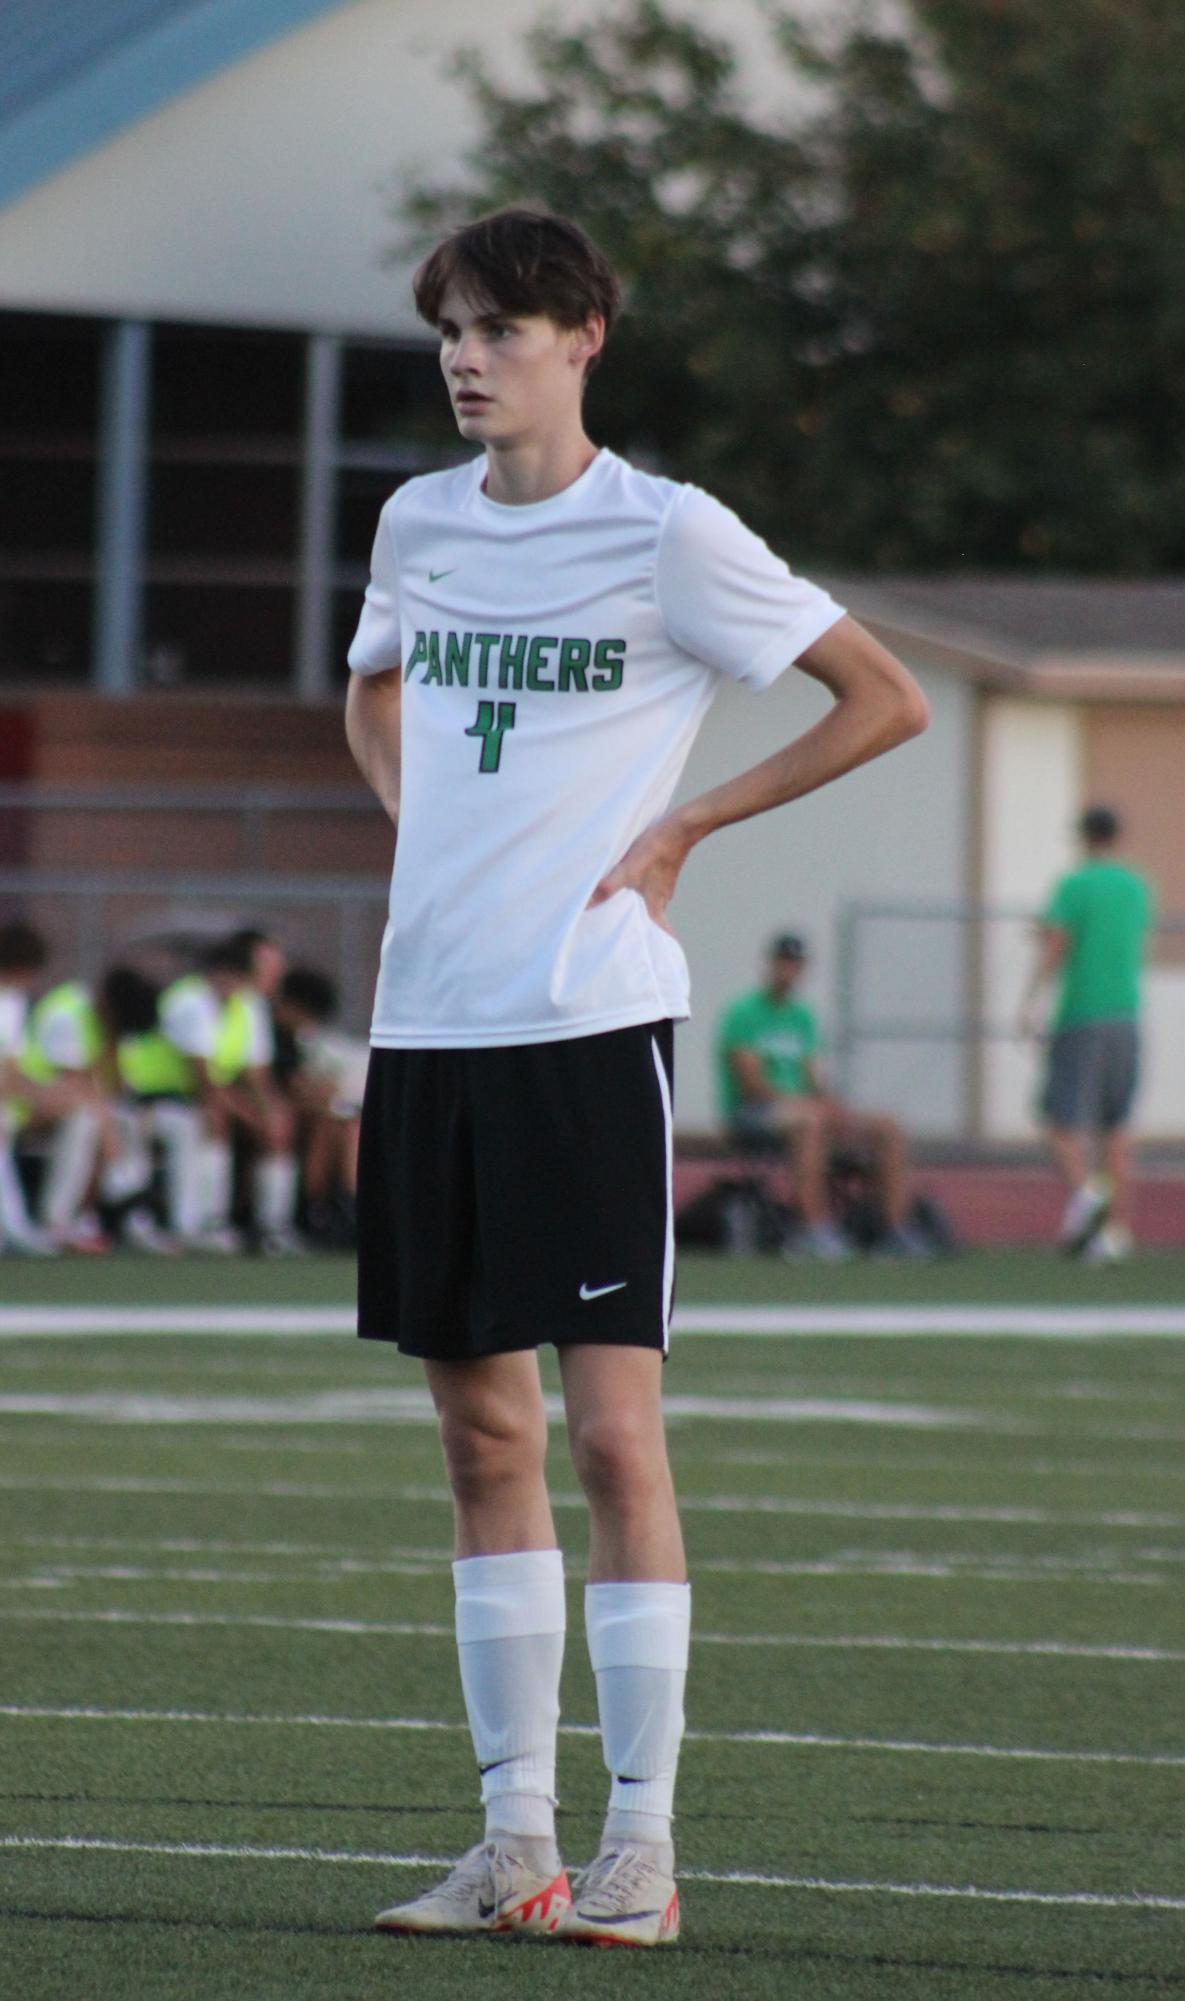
x=927, y=1003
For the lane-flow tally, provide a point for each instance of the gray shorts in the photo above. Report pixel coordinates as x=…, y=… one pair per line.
x=1093, y=1070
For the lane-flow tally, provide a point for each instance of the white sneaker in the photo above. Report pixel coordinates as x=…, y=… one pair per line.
x=142, y=1232
x=823, y=1241
x=1084, y=1213
x=489, y=1890
x=626, y=1897
x=84, y=1236
x=1110, y=1245
x=29, y=1243
x=283, y=1244
x=219, y=1241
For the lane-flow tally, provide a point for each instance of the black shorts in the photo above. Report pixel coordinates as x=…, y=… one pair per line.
x=513, y=1196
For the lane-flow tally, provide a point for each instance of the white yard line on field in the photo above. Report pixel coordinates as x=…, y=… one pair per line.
x=791, y=1739
x=421, y=1630
x=59, y=1576
x=415, y=1406
x=330, y=1560
x=227, y=1851
x=727, y=1504
x=1057, y=1322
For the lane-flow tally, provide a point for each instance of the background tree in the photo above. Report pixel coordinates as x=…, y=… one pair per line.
x=934, y=317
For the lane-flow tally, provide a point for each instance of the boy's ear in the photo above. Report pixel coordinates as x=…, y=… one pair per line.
x=588, y=340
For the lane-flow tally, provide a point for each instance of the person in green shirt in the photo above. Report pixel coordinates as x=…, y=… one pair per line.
x=771, y=1090
x=1092, y=941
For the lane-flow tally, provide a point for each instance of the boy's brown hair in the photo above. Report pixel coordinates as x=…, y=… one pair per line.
x=522, y=260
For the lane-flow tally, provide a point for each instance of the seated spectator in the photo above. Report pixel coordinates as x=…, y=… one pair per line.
x=63, y=1093
x=325, y=1076
x=68, y=1088
x=772, y=1094
x=23, y=955
x=219, y=1027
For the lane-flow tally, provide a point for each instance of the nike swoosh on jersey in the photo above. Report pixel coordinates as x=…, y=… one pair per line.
x=434, y=576
x=599, y=1291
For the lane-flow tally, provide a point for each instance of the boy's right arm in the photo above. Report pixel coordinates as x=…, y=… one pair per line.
x=372, y=731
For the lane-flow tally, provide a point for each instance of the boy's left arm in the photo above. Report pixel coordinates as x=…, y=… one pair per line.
x=876, y=705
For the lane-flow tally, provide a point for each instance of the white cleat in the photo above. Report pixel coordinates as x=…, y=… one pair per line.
x=142, y=1232
x=1110, y=1245
x=823, y=1241
x=626, y=1897
x=489, y=1890
x=218, y=1241
x=29, y=1243
x=283, y=1244
x=1083, y=1215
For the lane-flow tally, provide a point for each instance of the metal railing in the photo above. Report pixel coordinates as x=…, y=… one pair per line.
x=251, y=805
x=93, y=917
x=933, y=987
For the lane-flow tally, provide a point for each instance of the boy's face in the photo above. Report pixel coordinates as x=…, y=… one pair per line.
x=512, y=377
x=783, y=973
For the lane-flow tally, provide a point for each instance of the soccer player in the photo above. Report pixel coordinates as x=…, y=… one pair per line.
x=23, y=955
x=772, y=1090
x=218, y=1028
x=325, y=1080
x=1092, y=941
x=543, y=632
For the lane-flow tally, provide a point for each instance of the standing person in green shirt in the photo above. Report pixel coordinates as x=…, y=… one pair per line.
x=771, y=1089
x=1092, y=940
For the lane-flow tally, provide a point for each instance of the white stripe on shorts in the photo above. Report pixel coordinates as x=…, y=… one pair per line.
x=668, y=1256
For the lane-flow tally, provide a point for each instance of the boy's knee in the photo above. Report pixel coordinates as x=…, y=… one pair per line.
x=484, y=1447
x=614, y=1457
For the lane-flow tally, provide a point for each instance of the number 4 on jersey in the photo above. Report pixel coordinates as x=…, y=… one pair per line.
x=493, y=721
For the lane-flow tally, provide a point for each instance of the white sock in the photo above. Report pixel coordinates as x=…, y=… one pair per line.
x=129, y=1171
x=216, y=1169
x=510, y=1638
x=275, y=1191
x=15, y=1221
x=72, y=1155
x=179, y=1127
x=638, y=1638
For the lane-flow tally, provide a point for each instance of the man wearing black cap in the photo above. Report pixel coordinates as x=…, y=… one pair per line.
x=770, y=1089
x=1092, y=939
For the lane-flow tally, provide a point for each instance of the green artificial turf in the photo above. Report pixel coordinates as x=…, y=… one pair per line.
x=1026, y=1277
x=198, y=1538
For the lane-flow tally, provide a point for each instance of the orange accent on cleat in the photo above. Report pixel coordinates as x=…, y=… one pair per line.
x=540, y=1912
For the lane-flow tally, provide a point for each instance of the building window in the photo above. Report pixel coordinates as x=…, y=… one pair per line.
x=223, y=523
x=261, y=498
x=49, y=419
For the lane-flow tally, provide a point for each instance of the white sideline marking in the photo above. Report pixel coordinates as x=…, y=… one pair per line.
x=1055, y=1322
x=231, y=1852
x=987, y=1566
x=199, y=1546
x=794, y=1739
x=54, y=1576
x=725, y=1504
x=407, y=1629
x=415, y=1406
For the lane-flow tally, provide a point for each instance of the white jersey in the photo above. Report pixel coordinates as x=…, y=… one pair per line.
x=61, y=1026
x=261, y=1045
x=558, y=660
x=190, y=1017
x=14, y=1009
x=340, y=1061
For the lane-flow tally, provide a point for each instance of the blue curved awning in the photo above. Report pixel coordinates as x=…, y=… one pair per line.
x=74, y=73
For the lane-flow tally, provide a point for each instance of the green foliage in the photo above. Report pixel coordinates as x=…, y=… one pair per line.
x=934, y=316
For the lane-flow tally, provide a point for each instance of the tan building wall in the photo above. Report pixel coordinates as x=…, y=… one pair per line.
x=265, y=194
